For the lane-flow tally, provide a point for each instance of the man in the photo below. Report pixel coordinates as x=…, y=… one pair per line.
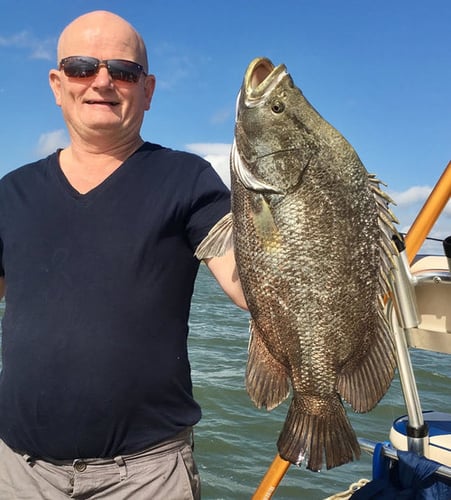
x=97, y=245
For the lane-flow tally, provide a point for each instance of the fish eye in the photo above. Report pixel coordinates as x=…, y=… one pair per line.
x=277, y=107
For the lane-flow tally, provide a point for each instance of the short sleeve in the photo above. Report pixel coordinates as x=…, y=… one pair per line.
x=210, y=202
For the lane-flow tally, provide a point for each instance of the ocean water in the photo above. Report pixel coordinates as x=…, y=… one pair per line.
x=235, y=442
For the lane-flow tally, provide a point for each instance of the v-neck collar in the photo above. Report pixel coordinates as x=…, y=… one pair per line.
x=96, y=190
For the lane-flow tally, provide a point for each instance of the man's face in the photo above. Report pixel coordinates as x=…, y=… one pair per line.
x=98, y=105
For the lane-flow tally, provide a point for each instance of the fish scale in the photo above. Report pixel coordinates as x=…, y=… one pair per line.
x=312, y=236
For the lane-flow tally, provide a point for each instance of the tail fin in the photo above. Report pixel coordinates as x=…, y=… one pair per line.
x=317, y=428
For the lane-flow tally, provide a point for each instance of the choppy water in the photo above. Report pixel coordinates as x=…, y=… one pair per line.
x=236, y=442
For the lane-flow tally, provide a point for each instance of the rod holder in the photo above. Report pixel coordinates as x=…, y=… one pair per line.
x=403, y=288
x=405, y=317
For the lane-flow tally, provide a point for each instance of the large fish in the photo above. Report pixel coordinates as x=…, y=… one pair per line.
x=312, y=234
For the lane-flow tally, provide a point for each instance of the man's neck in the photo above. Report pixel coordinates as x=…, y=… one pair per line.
x=87, y=167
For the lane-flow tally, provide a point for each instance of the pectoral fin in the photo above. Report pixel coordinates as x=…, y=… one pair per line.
x=265, y=226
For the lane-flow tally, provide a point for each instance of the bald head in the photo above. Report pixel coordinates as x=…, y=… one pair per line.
x=104, y=35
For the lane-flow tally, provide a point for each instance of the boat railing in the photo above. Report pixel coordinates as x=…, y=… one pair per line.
x=403, y=315
x=367, y=445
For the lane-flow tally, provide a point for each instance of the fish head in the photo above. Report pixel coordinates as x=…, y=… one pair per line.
x=272, y=144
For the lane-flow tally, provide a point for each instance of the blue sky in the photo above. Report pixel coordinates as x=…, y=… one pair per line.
x=379, y=71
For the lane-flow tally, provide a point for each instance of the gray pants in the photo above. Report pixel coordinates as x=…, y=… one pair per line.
x=166, y=471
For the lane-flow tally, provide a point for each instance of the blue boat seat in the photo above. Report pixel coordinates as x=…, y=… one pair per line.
x=438, y=444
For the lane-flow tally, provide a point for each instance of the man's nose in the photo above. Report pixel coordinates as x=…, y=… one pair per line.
x=103, y=77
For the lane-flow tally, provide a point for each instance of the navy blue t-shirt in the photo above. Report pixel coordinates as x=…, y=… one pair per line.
x=98, y=293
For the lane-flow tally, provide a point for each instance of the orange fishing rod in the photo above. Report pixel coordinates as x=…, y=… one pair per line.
x=271, y=479
x=429, y=214
x=415, y=237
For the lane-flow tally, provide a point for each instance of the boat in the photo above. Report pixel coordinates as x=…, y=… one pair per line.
x=417, y=452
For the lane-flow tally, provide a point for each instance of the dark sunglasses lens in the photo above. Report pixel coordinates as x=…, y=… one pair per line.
x=80, y=67
x=119, y=69
x=126, y=71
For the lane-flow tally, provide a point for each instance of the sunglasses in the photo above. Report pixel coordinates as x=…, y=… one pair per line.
x=85, y=67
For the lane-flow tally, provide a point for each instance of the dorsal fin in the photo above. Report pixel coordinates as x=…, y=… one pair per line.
x=380, y=362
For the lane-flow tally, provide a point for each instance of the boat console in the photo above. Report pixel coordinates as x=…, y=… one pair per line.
x=432, y=281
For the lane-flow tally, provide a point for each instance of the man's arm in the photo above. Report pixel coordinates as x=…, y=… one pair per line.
x=225, y=271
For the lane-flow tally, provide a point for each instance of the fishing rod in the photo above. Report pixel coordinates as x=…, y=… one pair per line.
x=429, y=214
x=415, y=237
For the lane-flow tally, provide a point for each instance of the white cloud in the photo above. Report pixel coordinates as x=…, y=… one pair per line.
x=414, y=194
x=38, y=49
x=50, y=141
x=209, y=148
x=16, y=40
x=217, y=154
x=222, y=165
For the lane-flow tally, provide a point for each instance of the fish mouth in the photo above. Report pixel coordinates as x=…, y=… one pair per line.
x=260, y=78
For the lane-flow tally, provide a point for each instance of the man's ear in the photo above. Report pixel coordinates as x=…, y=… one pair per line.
x=55, y=85
x=149, y=88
